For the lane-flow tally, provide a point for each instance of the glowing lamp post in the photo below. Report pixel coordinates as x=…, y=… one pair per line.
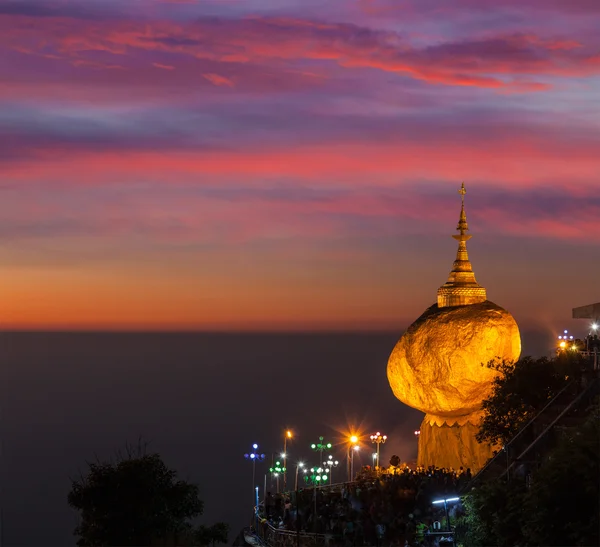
x=564, y=340
x=288, y=435
x=445, y=502
x=330, y=463
x=318, y=476
x=299, y=466
x=277, y=470
x=352, y=448
x=320, y=447
x=378, y=438
x=254, y=456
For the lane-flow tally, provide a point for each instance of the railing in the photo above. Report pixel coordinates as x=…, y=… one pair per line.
x=276, y=537
x=585, y=397
x=502, y=460
x=534, y=431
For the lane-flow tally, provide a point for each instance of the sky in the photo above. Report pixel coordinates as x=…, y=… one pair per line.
x=294, y=164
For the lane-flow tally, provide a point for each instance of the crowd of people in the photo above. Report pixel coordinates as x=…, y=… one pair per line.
x=389, y=508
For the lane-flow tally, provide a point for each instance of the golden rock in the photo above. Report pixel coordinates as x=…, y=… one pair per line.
x=452, y=446
x=439, y=364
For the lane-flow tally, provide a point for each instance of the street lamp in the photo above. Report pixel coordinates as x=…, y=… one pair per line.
x=277, y=470
x=299, y=466
x=331, y=463
x=378, y=438
x=288, y=435
x=320, y=447
x=254, y=456
x=352, y=447
x=318, y=476
x=445, y=502
x=355, y=448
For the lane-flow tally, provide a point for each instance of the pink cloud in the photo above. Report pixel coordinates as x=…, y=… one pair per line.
x=164, y=67
x=218, y=80
x=495, y=62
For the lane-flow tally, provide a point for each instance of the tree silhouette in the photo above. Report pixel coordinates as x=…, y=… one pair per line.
x=137, y=501
x=395, y=461
x=520, y=391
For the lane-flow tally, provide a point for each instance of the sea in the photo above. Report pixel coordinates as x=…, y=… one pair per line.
x=198, y=399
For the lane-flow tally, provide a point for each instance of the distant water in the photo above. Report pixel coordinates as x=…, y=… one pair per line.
x=200, y=399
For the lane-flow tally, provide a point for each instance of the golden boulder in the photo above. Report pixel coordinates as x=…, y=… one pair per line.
x=439, y=364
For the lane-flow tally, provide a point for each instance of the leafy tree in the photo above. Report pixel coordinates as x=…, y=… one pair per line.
x=520, y=391
x=561, y=507
x=563, y=504
x=494, y=515
x=211, y=535
x=136, y=501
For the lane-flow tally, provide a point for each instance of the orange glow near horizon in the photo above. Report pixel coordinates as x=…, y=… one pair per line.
x=194, y=168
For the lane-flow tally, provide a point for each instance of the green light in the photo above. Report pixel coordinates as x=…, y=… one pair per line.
x=313, y=446
x=318, y=478
x=328, y=445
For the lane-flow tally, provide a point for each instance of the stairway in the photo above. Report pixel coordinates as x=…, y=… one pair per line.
x=527, y=448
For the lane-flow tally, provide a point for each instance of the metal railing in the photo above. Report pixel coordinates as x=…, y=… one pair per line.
x=277, y=537
x=584, y=397
x=553, y=412
x=502, y=460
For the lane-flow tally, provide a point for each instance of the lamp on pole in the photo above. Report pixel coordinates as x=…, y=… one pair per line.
x=299, y=466
x=318, y=476
x=331, y=463
x=287, y=435
x=352, y=447
x=378, y=438
x=254, y=456
x=277, y=470
x=445, y=502
x=319, y=447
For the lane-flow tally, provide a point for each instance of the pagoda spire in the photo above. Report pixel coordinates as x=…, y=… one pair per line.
x=462, y=288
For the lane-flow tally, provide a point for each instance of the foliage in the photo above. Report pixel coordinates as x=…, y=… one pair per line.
x=564, y=501
x=561, y=507
x=210, y=535
x=136, y=501
x=494, y=515
x=395, y=461
x=520, y=390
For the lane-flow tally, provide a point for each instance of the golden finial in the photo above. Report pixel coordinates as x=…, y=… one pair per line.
x=461, y=287
x=462, y=222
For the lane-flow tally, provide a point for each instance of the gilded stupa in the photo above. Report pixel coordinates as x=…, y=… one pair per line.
x=439, y=364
